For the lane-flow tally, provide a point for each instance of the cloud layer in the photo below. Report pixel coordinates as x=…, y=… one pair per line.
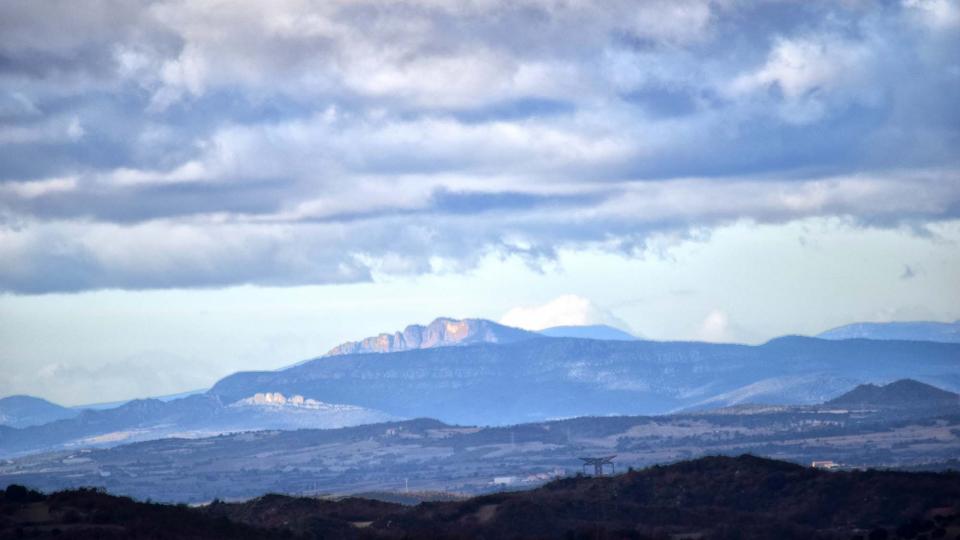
x=195, y=144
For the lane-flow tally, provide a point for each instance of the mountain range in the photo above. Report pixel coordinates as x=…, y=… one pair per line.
x=542, y=378
x=474, y=371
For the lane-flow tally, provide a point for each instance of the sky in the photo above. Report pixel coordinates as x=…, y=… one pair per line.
x=192, y=188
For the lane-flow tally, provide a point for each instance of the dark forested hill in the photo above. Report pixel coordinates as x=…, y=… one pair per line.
x=714, y=497
x=898, y=394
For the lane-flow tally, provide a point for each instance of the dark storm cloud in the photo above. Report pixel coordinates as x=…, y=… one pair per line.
x=131, y=204
x=462, y=203
x=178, y=144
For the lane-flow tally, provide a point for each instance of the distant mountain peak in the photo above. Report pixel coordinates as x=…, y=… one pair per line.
x=943, y=332
x=442, y=332
x=901, y=393
x=592, y=331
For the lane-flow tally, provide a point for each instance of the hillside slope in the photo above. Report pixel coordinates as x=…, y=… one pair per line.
x=23, y=411
x=196, y=415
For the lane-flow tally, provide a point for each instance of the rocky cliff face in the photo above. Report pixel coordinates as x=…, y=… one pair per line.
x=442, y=332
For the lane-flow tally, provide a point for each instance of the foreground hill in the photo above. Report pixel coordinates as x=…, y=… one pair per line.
x=713, y=497
x=442, y=332
x=93, y=514
x=23, y=411
x=905, y=331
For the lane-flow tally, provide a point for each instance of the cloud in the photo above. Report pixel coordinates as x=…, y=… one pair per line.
x=183, y=235
x=65, y=382
x=806, y=76
x=715, y=328
x=938, y=14
x=299, y=142
x=63, y=256
x=566, y=310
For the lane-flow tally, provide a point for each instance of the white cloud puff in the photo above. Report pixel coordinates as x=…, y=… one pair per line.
x=810, y=73
x=715, y=328
x=566, y=310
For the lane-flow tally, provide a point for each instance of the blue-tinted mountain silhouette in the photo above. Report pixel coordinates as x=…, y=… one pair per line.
x=23, y=411
x=544, y=378
x=526, y=380
x=596, y=331
x=907, y=331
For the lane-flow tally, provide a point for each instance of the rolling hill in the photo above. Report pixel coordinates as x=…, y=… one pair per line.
x=905, y=393
x=24, y=411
